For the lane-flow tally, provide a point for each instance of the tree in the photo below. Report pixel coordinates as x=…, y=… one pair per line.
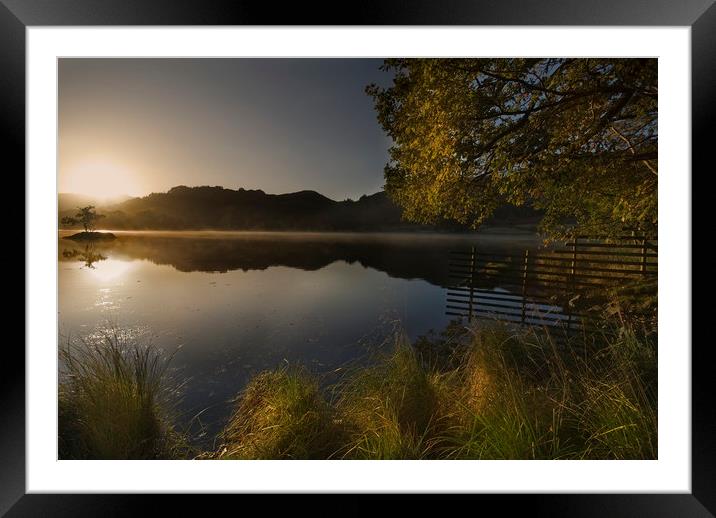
x=85, y=216
x=576, y=138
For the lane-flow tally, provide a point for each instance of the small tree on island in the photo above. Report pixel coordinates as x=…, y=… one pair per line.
x=86, y=216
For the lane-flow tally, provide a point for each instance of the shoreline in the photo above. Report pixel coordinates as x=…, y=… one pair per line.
x=495, y=235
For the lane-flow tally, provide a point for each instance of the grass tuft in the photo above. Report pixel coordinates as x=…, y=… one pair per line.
x=390, y=408
x=534, y=399
x=281, y=415
x=115, y=402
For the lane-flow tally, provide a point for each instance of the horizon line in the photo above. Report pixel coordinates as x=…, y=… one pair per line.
x=238, y=189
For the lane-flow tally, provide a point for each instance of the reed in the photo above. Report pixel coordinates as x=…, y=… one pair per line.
x=115, y=401
x=281, y=415
x=492, y=391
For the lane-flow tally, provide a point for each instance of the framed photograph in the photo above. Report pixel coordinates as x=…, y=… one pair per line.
x=411, y=251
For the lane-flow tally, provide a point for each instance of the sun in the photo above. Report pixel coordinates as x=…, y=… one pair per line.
x=99, y=177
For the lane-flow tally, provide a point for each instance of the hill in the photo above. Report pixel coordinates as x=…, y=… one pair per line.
x=216, y=208
x=68, y=202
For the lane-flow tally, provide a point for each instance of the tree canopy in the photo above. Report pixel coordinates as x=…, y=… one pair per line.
x=576, y=138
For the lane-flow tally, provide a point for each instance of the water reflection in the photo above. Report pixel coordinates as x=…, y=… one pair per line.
x=86, y=254
x=400, y=256
x=237, y=304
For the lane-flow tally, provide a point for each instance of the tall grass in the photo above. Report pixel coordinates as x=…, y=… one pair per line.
x=593, y=397
x=115, y=401
x=618, y=410
x=491, y=391
x=390, y=409
x=281, y=415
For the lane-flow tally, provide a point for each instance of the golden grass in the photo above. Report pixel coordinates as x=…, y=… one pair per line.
x=115, y=402
x=488, y=392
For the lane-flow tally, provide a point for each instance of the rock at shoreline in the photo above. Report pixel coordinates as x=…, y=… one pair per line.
x=92, y=236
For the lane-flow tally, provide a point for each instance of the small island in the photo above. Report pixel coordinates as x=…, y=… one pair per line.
x=92, y=236
x=87, y=217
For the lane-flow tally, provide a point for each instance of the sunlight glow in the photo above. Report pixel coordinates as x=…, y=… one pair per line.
x=100, y=177
x=110, y=270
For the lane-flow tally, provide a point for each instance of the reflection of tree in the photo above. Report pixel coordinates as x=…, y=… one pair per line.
x=89, y=255
x=402, y=257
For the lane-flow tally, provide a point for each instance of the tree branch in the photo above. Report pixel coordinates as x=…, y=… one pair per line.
x=633, y=151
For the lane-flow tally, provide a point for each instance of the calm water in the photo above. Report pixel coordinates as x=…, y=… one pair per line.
x=237, y=303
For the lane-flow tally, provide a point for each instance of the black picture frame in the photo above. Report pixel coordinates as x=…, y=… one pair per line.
x=700, y=15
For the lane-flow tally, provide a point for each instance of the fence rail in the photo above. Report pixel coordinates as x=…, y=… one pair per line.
x=540, y=288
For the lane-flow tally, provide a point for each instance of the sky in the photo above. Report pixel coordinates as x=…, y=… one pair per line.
x=135, y=126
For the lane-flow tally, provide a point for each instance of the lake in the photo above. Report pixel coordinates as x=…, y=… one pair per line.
x=234, y=303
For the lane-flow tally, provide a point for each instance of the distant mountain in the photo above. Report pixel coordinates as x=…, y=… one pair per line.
x=216, y=208
x=67, y=201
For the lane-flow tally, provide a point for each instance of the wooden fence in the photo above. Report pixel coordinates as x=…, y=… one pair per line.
x=549, y=287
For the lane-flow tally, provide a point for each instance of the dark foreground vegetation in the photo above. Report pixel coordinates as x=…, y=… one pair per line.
x=474, y=392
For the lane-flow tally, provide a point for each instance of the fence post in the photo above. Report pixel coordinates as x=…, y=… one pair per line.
x=524, y=284
x=572, y=283
x=472, y=281
x=574, y=260
x=643, y=255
